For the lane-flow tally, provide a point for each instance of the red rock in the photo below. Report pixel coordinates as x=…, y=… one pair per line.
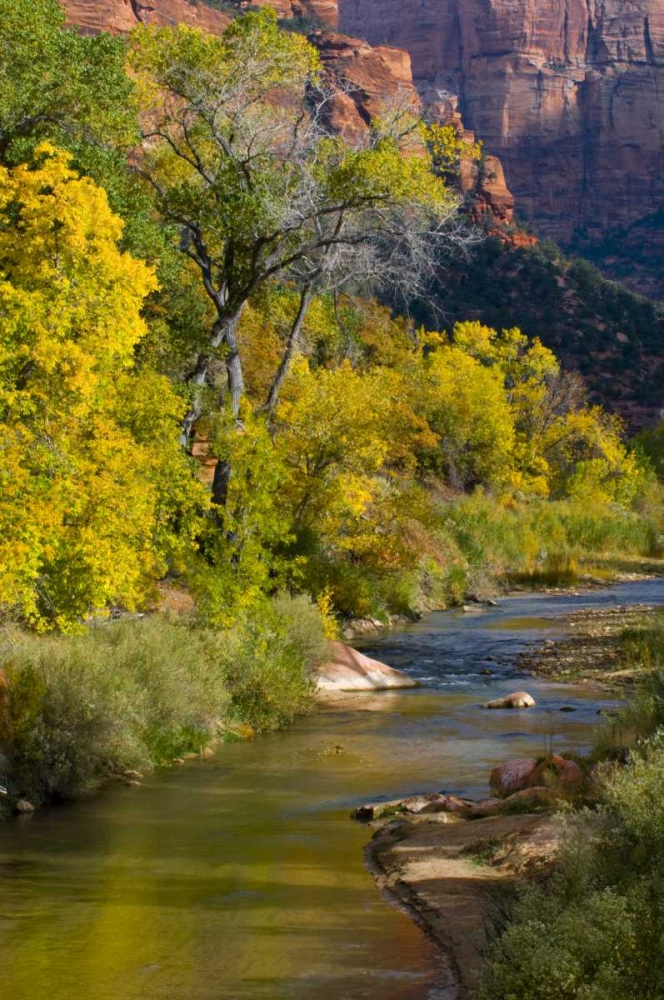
x=555, y=771
x=120, y=16
x=512, y=776
x=567, y=94
x=371, y=77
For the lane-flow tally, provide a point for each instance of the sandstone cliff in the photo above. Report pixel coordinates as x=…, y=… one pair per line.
x=369, y=76
x=123, y=15
x=566, y=92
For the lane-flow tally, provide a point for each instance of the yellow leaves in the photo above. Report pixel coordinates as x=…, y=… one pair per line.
x=92, y=477
x=447, y=147
x=381, y=174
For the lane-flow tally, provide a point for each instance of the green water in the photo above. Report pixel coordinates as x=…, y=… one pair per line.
x=241, y=877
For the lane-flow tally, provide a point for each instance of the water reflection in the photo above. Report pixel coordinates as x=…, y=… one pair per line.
x=241, y=878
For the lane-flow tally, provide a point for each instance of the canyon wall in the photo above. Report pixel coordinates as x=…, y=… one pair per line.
x=569, y=94
x=369, y=76
x=123, y=15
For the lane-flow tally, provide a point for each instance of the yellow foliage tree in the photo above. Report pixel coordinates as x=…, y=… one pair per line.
x=92, y=479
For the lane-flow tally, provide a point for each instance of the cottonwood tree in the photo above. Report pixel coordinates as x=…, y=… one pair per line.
x=96, y=497
x=236, y=147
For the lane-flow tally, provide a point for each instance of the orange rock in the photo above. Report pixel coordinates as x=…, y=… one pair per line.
x=565, y=775
x=120, y=16
x=349, y=670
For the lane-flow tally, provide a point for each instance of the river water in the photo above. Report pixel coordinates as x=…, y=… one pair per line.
x=241, y=877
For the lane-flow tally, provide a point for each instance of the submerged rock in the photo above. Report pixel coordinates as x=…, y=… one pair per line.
x=518, y=699
x=349, y=670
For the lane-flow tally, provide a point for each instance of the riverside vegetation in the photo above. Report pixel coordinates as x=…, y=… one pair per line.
x=594, y=928
x=197, y=387
x=200, y=387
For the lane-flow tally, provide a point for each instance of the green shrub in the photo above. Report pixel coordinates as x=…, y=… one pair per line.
x=266, y=663
x=141, y=693
x=595, y=931
x=642, y=648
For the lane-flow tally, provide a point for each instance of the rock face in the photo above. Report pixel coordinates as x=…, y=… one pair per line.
x=349, y=670
x=122, y=15
x=566, y=93
x=369, y=78
x=375, y=76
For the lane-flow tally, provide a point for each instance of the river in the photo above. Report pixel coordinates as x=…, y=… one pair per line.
x=241, y=877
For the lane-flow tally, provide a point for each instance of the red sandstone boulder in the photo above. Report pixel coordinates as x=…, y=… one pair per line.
x=512, y=776
x=559, y=773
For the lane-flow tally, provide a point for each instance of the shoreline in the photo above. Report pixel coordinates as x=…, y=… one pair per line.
x=431, y=868
x=426, y=862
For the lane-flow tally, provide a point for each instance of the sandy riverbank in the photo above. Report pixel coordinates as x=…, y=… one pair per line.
x=445, y=872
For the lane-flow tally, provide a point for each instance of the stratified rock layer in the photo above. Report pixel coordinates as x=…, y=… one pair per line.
x=123, y=15
x=566, y=92
x=370, y=77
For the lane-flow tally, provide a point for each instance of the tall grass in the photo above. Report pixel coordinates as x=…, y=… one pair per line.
x=642, y=650
x=141, y=693
x=472, y=544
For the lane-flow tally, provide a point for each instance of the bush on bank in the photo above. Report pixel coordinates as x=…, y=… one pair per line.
x=134, y=694
x=596, y=930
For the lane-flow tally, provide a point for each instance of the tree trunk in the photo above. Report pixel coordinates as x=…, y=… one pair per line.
x=223, y=331
x=291, y=344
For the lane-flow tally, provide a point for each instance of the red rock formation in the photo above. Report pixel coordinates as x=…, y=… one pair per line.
x=566, y=93
x=370, y=77
x=123, y=15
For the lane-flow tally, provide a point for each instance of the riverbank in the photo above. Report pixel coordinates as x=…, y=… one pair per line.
x=595, y=651
x=130, y=891
x=127, y=696
x=459, y=876
x=441, y=870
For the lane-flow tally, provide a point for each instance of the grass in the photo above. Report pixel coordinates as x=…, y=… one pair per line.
x=136, y=694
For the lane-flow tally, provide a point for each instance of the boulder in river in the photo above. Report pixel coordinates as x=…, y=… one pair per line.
x=415, y=805
x=349, y=670
x=518, y=699
x=24, y=807
x=553, y=772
